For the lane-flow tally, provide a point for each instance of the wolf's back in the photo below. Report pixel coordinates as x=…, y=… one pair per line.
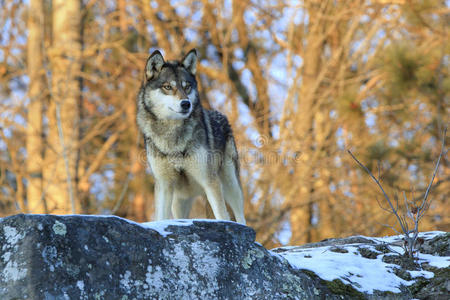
x=219, y=129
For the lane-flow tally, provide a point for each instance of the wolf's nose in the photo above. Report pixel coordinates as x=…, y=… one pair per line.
x=185, y=104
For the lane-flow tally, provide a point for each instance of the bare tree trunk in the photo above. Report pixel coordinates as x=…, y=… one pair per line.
x=139, y=204
x=302, y=216
x=63, y=113
x=37, y=94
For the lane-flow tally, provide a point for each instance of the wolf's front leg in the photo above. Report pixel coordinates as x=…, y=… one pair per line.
x=213, y=191
x=163, y=200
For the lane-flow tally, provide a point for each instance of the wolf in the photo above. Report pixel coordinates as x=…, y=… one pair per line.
x=190, y=150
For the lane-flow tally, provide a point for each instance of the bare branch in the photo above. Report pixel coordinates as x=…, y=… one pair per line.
x=394, y=211
x=391, y=227
x=408, y=211
x=381, y=205
x=425, y=197
x=396, y=200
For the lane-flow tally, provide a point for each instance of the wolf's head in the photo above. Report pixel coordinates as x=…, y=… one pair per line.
x=170, y=88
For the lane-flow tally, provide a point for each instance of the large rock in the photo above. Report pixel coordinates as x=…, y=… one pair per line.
x=92, y=257
x=86, y=257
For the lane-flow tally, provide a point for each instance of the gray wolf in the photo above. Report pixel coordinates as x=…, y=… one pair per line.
x=191, y=151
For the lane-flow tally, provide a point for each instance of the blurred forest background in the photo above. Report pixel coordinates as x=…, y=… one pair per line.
x=300, y=81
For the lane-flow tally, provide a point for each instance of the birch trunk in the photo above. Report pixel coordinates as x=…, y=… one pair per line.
x=63, y=114
x=36, y=94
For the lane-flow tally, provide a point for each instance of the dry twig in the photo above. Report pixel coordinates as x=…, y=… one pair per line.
x=413, y=212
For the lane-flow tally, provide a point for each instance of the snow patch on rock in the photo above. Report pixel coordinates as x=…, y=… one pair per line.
x=364, y=274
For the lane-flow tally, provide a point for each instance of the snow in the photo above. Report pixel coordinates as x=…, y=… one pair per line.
x=435, y=261
x=161, y=226
x=426, y=274
x=364, y=274
x=399, y=238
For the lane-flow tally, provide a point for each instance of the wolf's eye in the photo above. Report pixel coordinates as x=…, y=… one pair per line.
x=167, y=87
x=187, y=88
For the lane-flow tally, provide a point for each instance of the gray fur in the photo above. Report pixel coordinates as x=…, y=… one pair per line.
x=190, y=61
x=154, y=65
x=191, y=152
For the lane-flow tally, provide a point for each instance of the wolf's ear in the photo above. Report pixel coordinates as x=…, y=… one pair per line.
x=190, y=61
x=154, y=65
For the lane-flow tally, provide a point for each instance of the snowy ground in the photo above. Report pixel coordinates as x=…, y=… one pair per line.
x=364, y=274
